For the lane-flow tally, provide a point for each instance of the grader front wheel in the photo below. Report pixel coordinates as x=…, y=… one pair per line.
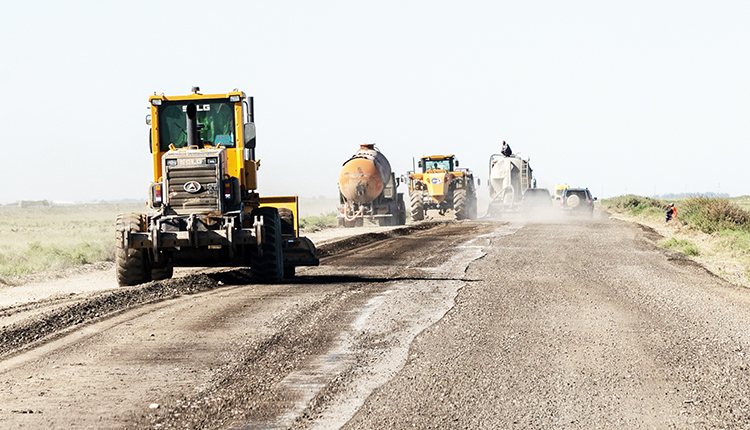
x=131, y=264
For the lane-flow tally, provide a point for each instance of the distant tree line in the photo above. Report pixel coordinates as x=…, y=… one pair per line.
x=678, y=195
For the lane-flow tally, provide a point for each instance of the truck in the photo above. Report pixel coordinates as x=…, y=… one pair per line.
x=559, y=190
x=510, y=177
x=441, y=185
x=368, y=189
x=203, y=207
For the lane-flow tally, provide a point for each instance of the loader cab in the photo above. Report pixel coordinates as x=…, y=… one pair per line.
x=438, y=162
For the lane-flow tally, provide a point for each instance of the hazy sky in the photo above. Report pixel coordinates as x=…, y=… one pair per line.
x=622, y=97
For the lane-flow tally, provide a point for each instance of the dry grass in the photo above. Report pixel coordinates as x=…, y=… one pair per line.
x=725, y=253
x=317, y=223
x=52, y=238
x=39, y=239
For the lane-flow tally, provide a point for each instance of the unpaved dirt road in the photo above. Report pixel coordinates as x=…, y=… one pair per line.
x=512, y=324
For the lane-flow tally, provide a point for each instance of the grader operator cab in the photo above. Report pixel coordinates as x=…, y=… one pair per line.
x=443, y=186
x=203, y=209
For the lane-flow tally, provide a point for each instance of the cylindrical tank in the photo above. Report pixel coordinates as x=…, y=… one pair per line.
x=509, y=178
x=364, y=175
x=501, y=172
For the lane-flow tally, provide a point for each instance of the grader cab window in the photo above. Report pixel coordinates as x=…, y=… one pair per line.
x=215, y=123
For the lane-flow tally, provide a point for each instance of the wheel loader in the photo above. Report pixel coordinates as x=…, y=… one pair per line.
x=443, y=186
x=203, y=208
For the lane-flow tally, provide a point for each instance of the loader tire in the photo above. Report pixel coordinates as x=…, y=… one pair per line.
x=417, y=206
x=289, y=271
x=459, y=204
x=267, y=267
x=162, y=273
x=132, y=266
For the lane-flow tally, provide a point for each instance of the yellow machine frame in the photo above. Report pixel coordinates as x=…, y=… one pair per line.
x=237, y=165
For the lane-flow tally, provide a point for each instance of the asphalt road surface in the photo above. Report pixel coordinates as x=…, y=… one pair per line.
x=477, y=324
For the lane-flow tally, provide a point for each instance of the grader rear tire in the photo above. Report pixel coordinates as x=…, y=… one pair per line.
x=417, y=206
x=159, y=274
x=131, y=264
x=287, y=221
x=267, y=267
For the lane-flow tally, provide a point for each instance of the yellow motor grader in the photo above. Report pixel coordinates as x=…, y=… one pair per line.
x=443, y=186
x=203, y=208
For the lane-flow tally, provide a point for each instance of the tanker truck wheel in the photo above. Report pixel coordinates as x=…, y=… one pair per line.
x=131, y=264
x=268, y=266
x=459, y=204
x=401, y=212
x=417, y=206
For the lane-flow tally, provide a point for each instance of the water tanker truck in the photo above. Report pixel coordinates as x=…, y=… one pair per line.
x=203, y=208
x=367, y=189
x=509, y=177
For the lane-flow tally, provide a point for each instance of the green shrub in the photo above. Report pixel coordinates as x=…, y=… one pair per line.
x=712, y=215
x=684, y=246
x=316, y=223
x=636, y=205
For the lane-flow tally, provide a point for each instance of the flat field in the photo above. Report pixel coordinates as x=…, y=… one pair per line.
x=44, y=238
x=49, y=238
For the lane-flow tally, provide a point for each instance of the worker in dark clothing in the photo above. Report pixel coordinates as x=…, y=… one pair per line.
x=506, y=150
